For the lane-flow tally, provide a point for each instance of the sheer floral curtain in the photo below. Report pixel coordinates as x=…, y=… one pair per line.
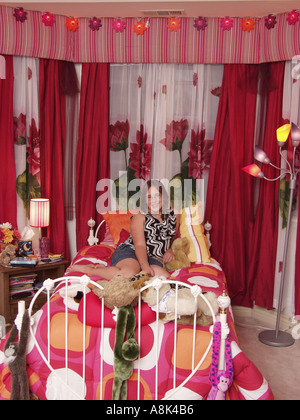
x=162, y=119
x=26, y=134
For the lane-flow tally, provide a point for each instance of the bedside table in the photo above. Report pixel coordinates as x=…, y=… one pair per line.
x=42, y=271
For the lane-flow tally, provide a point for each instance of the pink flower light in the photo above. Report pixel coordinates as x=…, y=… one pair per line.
x=48, y=19
x=95, y=24
x=119, y=25
x=270, y=21
x=20, y=14
x=226, y=23
x=293, y=17
x=200, y=23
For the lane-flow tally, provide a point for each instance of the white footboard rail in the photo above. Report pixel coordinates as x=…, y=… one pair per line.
x=83, y=282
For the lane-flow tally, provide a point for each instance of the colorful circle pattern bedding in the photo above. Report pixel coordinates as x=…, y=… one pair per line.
x=248, y=382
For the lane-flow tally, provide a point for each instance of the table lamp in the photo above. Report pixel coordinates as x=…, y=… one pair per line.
x=39, y=217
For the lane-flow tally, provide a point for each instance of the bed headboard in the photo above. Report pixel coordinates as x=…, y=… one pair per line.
x=93, y=237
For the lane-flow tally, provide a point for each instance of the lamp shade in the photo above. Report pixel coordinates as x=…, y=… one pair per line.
x=260, y=155
x=39, y=212
x=253, y=170
x=295, y=135
x=283, y=133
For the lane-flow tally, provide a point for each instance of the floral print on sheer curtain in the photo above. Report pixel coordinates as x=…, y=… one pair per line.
x=162, y=120
x=26, y=134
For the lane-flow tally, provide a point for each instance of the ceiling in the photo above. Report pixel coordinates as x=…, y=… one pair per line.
x=212, y=8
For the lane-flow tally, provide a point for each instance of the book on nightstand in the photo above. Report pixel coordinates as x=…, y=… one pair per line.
x=24, y=262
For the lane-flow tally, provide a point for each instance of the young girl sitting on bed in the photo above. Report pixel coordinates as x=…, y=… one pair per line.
x=149, y=244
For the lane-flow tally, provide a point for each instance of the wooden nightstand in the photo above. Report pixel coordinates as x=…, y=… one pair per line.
x=43, y=271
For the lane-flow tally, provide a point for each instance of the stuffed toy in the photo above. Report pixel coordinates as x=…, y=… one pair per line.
x=119, y=292
x=180, y=248
x=186, y=305
x=220, y=380
x=14, y=353
x=7, y=254
x=124, y=352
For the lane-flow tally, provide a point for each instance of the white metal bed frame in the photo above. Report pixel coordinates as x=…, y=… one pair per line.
x=84, y=281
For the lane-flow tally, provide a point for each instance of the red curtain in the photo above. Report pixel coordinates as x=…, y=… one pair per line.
x=244, y=233
x=265, y=234
x=8, y=202
x=52, y=138
x=228, y=204
x=92, y=162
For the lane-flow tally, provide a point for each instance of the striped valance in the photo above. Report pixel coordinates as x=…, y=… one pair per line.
x=157, y=45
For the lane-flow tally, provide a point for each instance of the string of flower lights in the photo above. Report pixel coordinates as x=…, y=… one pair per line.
x=173, y=24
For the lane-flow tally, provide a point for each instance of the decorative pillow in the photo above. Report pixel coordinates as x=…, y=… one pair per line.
x=123, y=236
x=101, y=252
x=191, y=228
x=116, y=221
x=94, y=310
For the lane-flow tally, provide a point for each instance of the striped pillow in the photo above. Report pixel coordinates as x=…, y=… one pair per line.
x=191, y=228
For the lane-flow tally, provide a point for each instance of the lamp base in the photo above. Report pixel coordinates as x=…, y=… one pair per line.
x=283, y=338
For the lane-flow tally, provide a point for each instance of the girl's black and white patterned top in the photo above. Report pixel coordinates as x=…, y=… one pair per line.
x=158, y=235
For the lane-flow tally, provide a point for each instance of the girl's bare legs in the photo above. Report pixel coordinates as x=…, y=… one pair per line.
x=160, y=271
x=128, y=267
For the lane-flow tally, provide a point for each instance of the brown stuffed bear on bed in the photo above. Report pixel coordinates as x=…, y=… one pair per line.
x=180, y=248
x=117, y=292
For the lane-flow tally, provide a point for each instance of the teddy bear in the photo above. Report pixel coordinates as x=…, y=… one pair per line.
x=180, y=248
x=186, y=304
x=117, y=292
x=7, y=254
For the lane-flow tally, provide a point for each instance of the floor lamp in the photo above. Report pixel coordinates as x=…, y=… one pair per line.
x=277, y=338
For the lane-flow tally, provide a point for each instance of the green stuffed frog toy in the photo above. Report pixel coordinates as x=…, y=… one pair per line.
x=124, y=352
